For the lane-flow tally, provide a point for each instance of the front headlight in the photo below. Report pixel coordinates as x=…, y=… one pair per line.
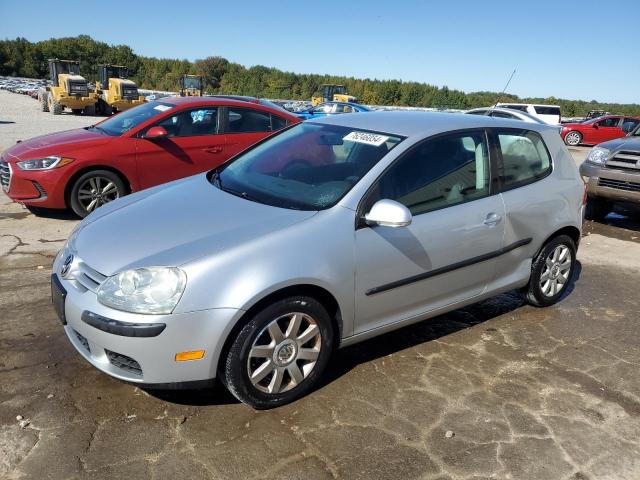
x=598, y=155
x=46, y=163
x=153, y=290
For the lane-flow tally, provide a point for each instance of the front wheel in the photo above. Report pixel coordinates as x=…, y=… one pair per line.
x=551, y=271
x=94, y=189
x=573, y=138
x=280, y=355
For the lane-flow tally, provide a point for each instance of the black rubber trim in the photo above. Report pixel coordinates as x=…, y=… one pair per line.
x=448, y=268
x=124, y=329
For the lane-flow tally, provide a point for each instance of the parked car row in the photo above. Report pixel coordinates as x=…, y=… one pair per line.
x=204, y=277
x=25, y=86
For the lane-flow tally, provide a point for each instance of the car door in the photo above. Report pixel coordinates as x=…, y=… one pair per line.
x=193, y=145
x=446, y=255
x=245, y=126
x=607, y=129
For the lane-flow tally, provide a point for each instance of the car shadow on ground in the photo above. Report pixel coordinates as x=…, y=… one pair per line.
x=350, y=357
x=623, y=223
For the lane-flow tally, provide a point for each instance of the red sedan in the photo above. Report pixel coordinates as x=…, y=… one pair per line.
x=598, y=130
x=151, y=144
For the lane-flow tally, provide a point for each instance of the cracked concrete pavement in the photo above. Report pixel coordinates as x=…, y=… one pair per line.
x=497, y=390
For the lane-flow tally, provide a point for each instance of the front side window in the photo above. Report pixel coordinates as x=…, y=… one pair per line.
x=307, y=167
x=630, y=124
x=192, y=123
x=609, y=122
x=125, y=121
x=525, y=157
x=503, y=115
x=439, y=173
x=247, y=120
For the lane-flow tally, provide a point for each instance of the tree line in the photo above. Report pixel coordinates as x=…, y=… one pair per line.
x=23, y=58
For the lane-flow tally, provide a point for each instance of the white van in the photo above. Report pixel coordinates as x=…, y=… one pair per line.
x=547, y=113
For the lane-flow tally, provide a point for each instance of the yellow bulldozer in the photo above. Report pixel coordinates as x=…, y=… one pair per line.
x=115, y=91
x=68, y=89
x=190, y=86
x=332, y=93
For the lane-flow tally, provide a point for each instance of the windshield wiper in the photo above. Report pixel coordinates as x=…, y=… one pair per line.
x=217, y=181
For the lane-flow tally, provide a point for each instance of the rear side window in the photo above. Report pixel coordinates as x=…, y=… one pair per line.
x=525, y=157
x=247, y=120
x=522, y=108
x=540, y=110
x=277, y=123
x=439, y=173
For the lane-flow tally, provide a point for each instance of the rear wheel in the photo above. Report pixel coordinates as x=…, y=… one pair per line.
x=280, y=355
x=54, y=106
x=77, y=111
x=551, y=271
x=43, y=99
x=597, y=209
x=94, y=189
x=573, y=138
x=90, y=110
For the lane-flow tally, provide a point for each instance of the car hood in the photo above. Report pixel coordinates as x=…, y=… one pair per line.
x=626, y=143
x=173, y=224
x=57, y=143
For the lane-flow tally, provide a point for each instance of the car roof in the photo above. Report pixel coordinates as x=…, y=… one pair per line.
x=422, y=124
x=510, y=111
x=527, y=104
x=218, y=101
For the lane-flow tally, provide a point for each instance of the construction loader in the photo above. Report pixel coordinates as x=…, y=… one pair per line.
x=115, y=91
x=68, y=89
x=190, y=86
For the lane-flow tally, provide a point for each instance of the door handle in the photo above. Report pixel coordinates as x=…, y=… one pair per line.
x=492, y=220
x=213, y=149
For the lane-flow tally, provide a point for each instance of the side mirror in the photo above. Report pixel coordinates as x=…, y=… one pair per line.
x=388, y=213
x=155, y=133
x=595, y=125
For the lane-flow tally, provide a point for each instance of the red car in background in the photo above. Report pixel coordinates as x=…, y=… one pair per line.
x=145, y=146
x=598, y=130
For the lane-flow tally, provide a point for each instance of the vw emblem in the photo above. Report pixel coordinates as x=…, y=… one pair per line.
x=66, y=265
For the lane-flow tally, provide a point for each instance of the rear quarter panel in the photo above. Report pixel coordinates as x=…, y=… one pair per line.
x=538, y=210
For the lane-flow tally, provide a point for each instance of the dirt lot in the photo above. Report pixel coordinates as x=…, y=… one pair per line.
x=498, y=390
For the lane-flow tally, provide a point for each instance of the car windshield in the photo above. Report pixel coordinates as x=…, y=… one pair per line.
x=306, y=167
x=125, y=121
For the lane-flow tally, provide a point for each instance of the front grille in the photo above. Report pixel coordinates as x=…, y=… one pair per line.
x=131, y=93
x=79, y=89
x=87, y=277
x=125, y=363
x=5, y=175
x=625, y=161
x=83, y=341
x=619, y=185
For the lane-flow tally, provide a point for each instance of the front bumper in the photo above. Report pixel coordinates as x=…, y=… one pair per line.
x=43, y=188
x=617, y=185
x=144, y=359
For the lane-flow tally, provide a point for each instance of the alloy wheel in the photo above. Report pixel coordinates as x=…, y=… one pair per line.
x=96, y=191
x=556, y=271
x=284, y=354
x=572, y=138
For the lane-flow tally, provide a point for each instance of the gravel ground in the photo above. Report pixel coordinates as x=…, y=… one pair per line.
x=21, y=118
x=499, y=390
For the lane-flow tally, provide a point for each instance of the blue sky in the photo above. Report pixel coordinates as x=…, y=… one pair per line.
x=577, y=49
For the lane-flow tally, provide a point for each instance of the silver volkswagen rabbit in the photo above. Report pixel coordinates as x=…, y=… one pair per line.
x=326, y=234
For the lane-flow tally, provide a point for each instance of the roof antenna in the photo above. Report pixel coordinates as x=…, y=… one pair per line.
x=502, y=93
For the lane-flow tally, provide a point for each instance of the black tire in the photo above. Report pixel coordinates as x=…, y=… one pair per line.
x=76, y=111
x=78, y=200
x=597, y=209
x=535, y=292
x=103, y=108
x=42, y=98
x=573, y=138
x=54, y=106
x=90, y=110
x=39, y=211
x=236, y=366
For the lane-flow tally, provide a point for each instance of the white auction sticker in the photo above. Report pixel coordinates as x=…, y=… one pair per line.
x=162, y=108
x=365, y=137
